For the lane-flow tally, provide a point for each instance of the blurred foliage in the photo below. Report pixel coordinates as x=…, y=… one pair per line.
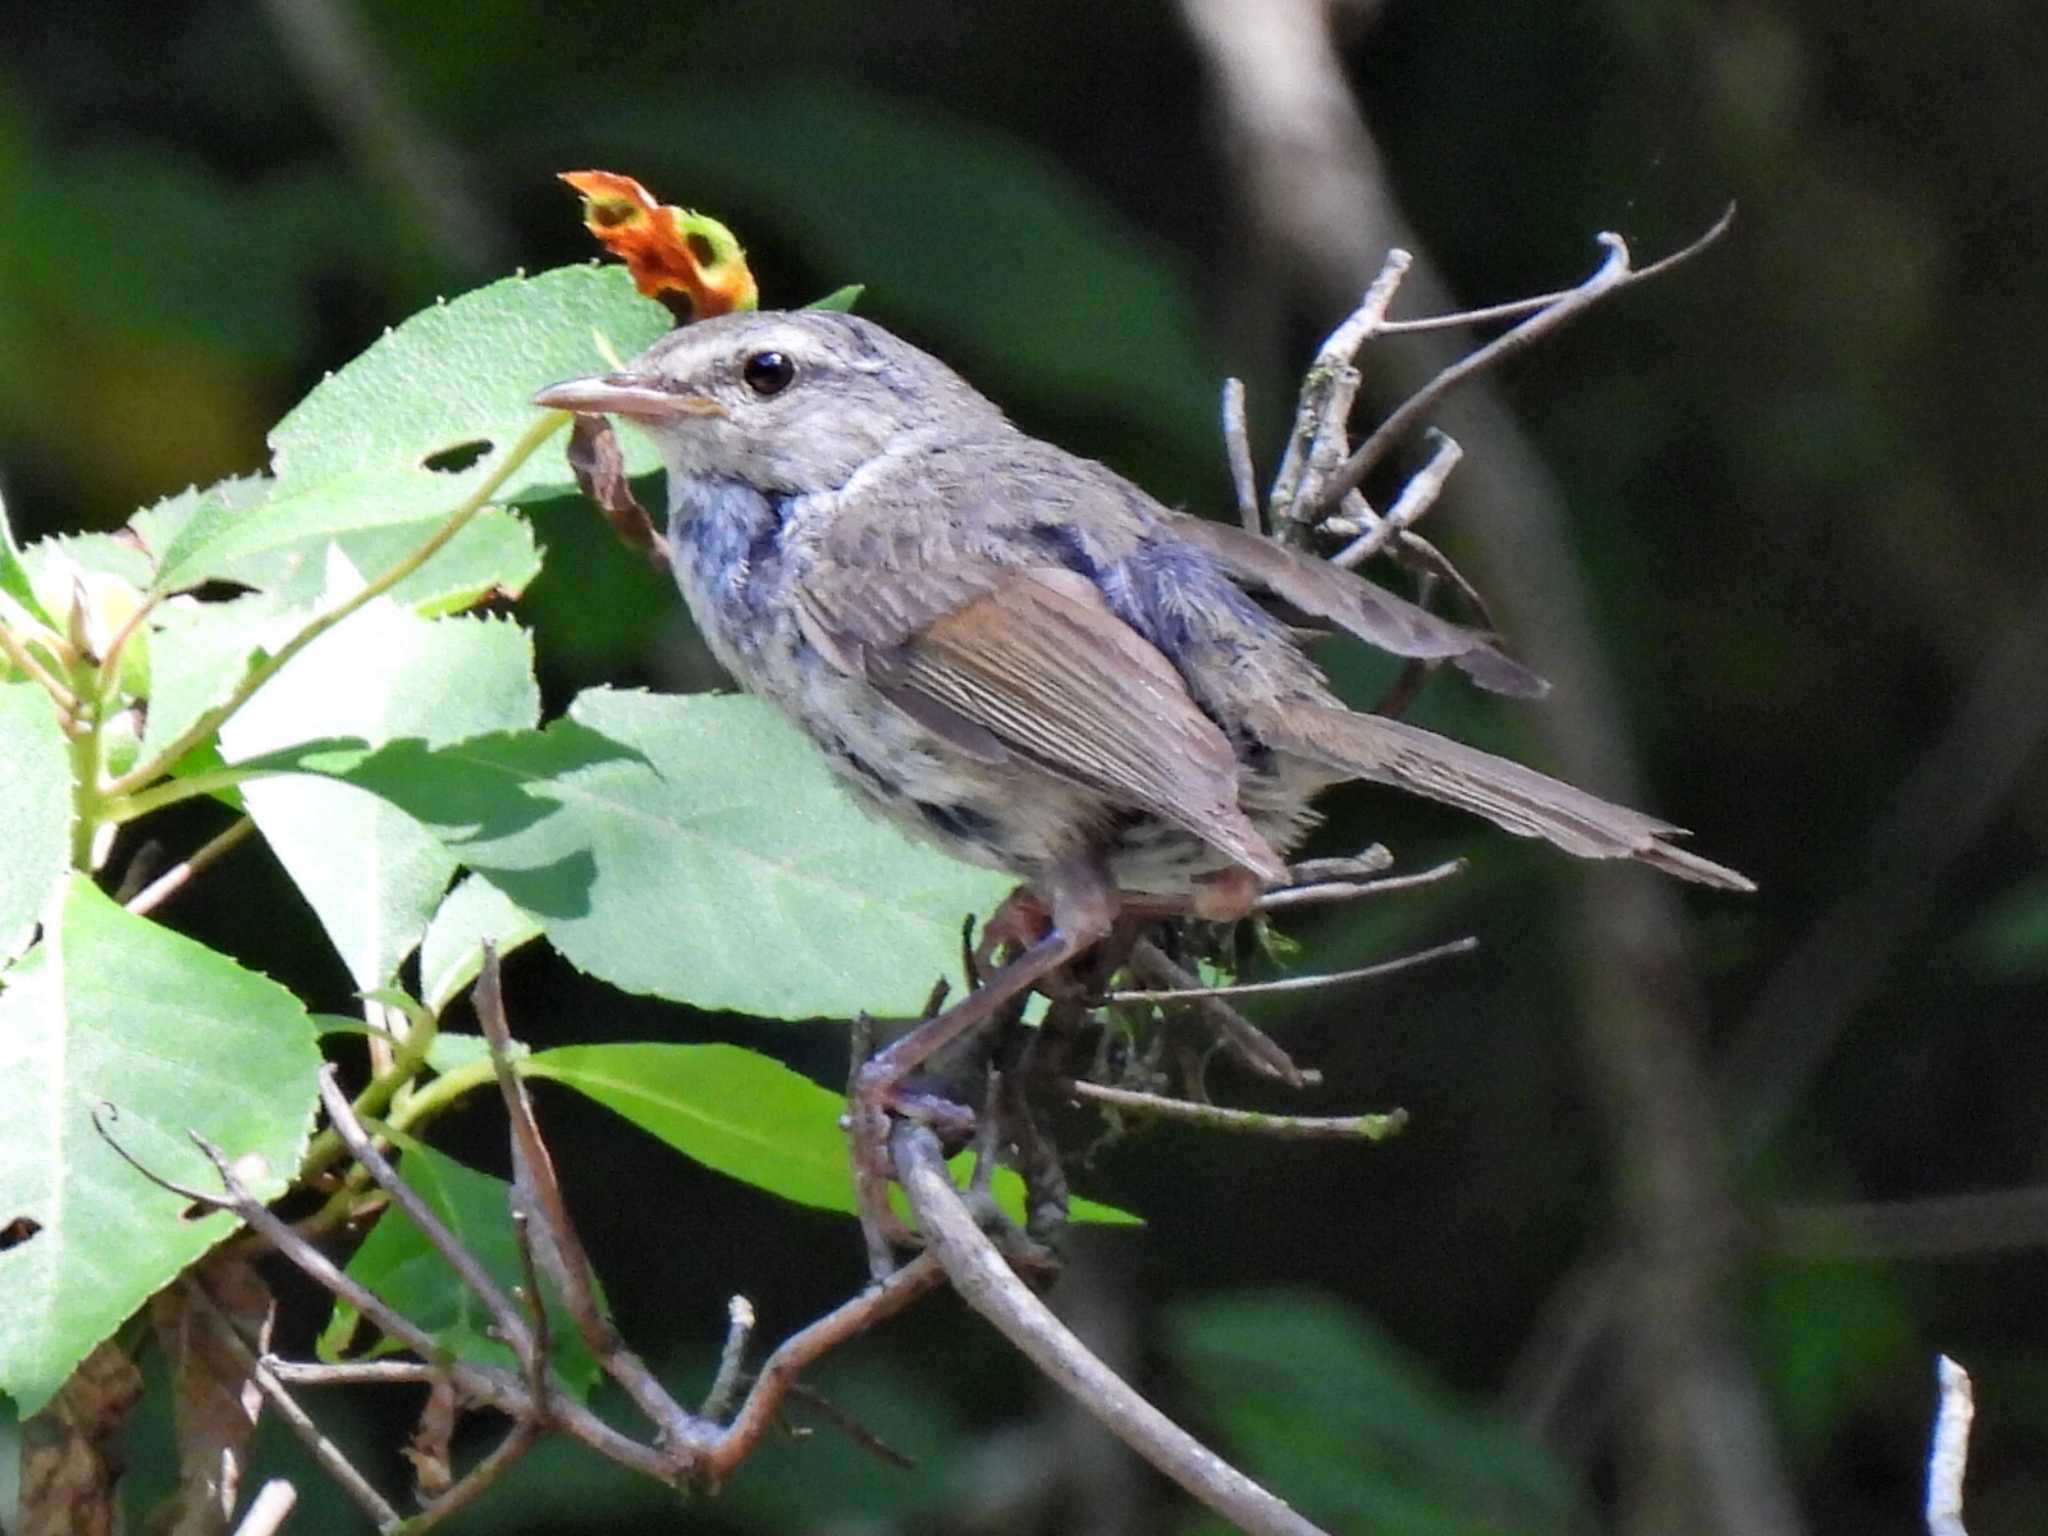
x=1805, y=475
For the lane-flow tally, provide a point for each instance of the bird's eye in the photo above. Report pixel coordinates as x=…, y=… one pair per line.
x=768, y=373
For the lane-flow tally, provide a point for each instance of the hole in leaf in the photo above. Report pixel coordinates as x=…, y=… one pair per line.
x=451, y=461
x=18, y=1231
x=702, y=248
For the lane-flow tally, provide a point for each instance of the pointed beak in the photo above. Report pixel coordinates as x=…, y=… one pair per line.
x=624, y=394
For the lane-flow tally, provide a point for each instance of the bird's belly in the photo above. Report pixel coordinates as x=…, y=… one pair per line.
x=1012, y=816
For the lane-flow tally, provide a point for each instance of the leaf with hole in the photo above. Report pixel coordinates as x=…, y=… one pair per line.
x=112, y=1009
x=422, y=421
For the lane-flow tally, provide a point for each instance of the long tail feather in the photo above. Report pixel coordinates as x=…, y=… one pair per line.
x=1518, y=799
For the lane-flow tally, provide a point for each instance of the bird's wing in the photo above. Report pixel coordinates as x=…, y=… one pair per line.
x=1032, y=662
x=1369, y=612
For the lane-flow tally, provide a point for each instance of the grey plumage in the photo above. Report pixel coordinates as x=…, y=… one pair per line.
x=1017, y=653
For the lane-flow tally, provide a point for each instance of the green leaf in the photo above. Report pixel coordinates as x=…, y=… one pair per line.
x=746, y=1116
x=35, y=807
x=396, y=1262
x=452, y=954
x=373, y=874
x=1326, y=1412
x=14, y=578
x=423, y=419
x=178, y=1038
x=493, y=553
x=840, y=299
x=199, y=652
x=692, y=847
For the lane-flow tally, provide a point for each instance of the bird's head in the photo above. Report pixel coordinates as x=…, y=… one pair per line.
x=786, y=401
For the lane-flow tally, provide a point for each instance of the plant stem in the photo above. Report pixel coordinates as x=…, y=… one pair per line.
x=212, y=720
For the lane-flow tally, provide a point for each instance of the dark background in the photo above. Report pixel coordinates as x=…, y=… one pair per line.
x=1680, y=1198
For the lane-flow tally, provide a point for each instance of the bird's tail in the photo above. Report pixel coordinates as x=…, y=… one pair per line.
x=1521, y=800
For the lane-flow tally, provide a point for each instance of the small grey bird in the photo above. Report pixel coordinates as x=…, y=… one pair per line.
x=1019, y=655
x=1016, y=653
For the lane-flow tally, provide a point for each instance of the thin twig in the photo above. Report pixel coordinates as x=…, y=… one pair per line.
x=519, y=1439
x=1609, y=275
x=560, y=1249
x=1514, y=310
x=351, y=1373
x=1949, y=1455
x=1301, y=983
x=851, y=1427
x=1372, y=860
x=1416, y=498
x=1327, y=392
x=877, y=1303
x=335, y=1464
x=178, y=876
x=1211, y=1117
x=509, y=1321
x=988, y=1285
x=267, y=1511
x=1237, y=447
x=1355, y=890
x=739, y=1327
x=1250, y=1046
x=535, y=1361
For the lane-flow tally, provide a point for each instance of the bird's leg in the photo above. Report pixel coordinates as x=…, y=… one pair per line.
x=1084, y=908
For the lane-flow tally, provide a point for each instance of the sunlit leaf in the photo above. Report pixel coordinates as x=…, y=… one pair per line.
x=421, y=420
x=474, y=913
x=36, y=808
x=693, y=847
x=373, y=874
x=746, y=1116
x=111, y=1008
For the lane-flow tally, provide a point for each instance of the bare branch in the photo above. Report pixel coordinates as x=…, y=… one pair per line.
x=1949, y=1456
x=267, y=1511
x=324, y=1451
x=1302, y=983
x=1610, y=275
x=178, y=876
x=1416, y=498
x=732, y=1359
x=1321, y=414
x=1244, y=1121
x=1237, y=446
x=1354, y=890
x=988, y=1285
x=560, y=1249
x=1250, y=1046
x=506, y=1318
x=878, y=1302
